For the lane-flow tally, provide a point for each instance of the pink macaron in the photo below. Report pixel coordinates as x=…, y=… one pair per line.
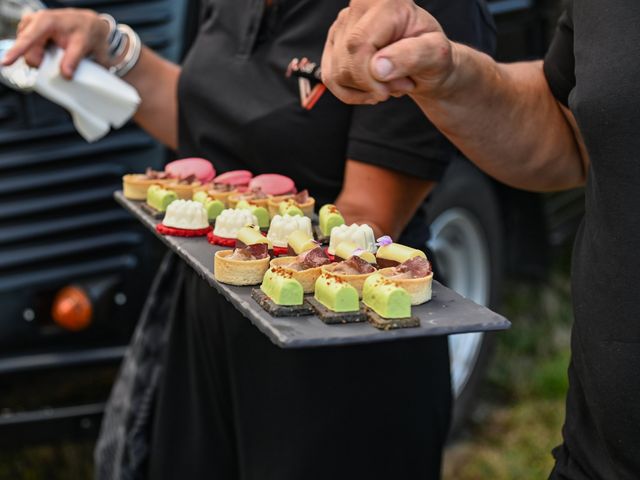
x=235, y=178
x=199, y=167
x=273, y=184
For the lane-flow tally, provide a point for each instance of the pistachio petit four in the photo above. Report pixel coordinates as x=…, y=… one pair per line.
x=388, y=304
x=390, y=254
x=212, y=206
x=247, y=263
x=185, y=218
x=415, y=276
x=299, y=202
x=305, y=268
x=300, y=241
x=228, y=224
x=336, y=301
x=328, y=218
x=281, y=295
x=135, y=185
x=283, y=226
x=159, y=198
x=354, y=271
x=361, y=235
x=261, y=213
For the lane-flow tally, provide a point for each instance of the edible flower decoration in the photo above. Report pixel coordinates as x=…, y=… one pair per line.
x=384, y=240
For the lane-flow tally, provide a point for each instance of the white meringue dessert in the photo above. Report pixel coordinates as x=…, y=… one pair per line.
x=230, y=221
x=283, y=226
x=186, y=215
x=360, y=235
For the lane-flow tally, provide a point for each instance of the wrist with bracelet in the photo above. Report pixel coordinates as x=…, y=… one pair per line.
x=122, y=43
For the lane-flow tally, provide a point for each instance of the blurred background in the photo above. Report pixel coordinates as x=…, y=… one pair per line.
x=74, y=269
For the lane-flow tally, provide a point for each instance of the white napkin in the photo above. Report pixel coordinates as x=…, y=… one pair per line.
x=96, y=99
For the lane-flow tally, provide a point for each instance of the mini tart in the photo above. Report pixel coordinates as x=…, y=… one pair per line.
x=307, y=278
x=238, y=272
x=222, y=196
x=418, y=288
x=135, y=185
x=306, y=207
x=234, y=198
x=185, y=191
x=356, y=281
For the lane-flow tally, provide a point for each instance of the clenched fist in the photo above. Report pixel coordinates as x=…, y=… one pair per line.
x=381, y=48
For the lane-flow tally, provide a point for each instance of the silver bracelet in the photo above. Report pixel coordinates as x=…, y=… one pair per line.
x=114, y=37
x=133, y=51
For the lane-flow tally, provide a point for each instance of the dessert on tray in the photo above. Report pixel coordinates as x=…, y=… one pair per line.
x=190, y=175
x=135, y=185
x=301, y=203
x=391, y=254
x=336, y=301
x=158, y=199
x=247, y=263
x=229, y=183
x=185, y=218
x=361, y=235
x=281, y=295
x=305, y=267
x=300, y=241
x=415, y=276
x=211, y=205
x=261, y=213
x=228, y=224
x=346, y=250
x=328, y=218
x=254, y=196
x=283, y=226
x=273, y=184
x=388, y=304
x=355, y=270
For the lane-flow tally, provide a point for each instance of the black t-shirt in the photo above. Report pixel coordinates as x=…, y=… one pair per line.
x=593, y=66
x=239, y=110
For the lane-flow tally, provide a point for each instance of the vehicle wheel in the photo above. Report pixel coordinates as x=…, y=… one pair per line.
x=467, y=244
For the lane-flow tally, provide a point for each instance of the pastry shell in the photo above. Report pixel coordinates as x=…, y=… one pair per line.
x=356, y=281
x=135, y=185
x=307, y=278
x=222, y=196
x=238, y=272
x=185, y=191
x=306, y=207
x=235, y=197
x=419, y=289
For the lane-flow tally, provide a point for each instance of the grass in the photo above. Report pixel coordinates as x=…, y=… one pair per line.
x=511, y=434
x=520, y=417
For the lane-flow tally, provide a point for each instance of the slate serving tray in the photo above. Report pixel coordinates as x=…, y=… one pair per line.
x=447, y=313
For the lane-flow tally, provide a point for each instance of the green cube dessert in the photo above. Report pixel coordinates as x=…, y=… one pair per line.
x=261, y=213
x=337, y=295
x=386, y=298
x=212, y=206
x=329, y=217
x=160, y=198
x=289, y=207
x=281, y=288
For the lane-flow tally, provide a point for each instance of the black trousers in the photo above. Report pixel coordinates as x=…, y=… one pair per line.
x=231, y=405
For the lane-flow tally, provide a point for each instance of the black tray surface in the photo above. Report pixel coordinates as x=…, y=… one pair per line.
x=447, y=313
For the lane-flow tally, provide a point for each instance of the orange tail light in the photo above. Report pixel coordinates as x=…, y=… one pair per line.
x=72, y=309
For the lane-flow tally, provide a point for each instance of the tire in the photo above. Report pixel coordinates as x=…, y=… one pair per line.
x=467, y=243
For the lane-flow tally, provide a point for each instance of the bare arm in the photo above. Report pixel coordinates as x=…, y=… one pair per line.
x=384, y=199
x=503, y=117
x=82, y=33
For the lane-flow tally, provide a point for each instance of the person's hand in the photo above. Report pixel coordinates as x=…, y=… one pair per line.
x=79, y=32
x=381, y=48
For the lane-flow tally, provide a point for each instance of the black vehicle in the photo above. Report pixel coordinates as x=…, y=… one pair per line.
x=59, y=228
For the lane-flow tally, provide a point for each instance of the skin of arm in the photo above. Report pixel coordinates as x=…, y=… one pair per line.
x=503, y=117
x=384, y=199
x=82, y=33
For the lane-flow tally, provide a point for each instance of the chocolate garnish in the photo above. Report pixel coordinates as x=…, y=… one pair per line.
x=250, y=252
x=415, y=267
x=386, y=263
x=313, y=258
x=301, y=197
x=152, y=174
x=354, y=266
x=222, y=187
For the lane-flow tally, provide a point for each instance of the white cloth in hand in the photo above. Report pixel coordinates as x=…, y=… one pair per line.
x=96, y=99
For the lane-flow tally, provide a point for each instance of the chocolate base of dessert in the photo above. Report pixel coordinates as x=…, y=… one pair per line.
x=281, y=310
x=386, y=263
x=336, y=318
x=149, y=210
x=391, y=323
x=323, y=239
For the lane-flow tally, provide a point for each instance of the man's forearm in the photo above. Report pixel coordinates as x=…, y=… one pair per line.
x=505, y=119
x=156, y=80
